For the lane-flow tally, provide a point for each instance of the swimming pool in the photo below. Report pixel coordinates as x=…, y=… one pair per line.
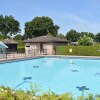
x=57, y=74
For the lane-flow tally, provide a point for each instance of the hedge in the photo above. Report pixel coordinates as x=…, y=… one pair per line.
x=78, y=50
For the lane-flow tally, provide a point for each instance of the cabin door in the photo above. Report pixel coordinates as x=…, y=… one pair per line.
x=41, y=48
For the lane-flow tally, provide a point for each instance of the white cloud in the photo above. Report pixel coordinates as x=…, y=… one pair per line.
x=80, y=24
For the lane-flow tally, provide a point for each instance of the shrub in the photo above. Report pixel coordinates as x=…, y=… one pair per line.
x=8, y=94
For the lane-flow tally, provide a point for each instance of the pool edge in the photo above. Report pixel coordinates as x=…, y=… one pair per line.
x=50, y=56
x=20, y=59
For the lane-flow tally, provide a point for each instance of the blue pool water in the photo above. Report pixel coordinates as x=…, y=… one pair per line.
x=57, y=74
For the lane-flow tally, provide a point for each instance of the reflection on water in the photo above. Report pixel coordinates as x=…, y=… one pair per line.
x=74, y=70
x=71, y=61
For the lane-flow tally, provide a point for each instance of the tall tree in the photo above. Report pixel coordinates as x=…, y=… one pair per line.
x=97, y=37
x=40, y=26
x=2, y=37
x=17, y=37
x=87, y=34
x=73, y=35
x=8, y=25
x=60, y=35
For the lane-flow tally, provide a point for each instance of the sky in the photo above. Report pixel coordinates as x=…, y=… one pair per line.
x=81, y=15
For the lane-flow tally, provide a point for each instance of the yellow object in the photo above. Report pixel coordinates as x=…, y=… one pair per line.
x=70, y=50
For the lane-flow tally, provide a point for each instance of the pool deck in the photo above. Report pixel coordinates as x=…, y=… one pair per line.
x=16, y=57
x=71, y=56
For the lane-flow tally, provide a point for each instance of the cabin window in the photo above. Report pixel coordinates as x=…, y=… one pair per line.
x=27, y=46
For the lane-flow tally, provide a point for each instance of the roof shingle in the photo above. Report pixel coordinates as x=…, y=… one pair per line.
x=45, y=39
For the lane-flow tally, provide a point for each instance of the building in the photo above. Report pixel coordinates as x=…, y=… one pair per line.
x=44, y=45
x=12, y=45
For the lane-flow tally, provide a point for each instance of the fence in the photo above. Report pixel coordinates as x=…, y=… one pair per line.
x=22, y=53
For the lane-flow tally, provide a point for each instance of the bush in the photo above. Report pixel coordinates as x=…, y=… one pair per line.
x=78, y=50
x=8, y=94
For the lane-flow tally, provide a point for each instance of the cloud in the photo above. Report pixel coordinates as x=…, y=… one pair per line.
x=80, y=24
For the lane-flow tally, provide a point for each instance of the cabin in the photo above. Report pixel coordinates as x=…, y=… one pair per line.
x=44, y=45
x=12, y=45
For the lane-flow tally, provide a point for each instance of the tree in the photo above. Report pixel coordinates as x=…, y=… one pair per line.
x=72, y=35
x=87, y=34
x=2, y=37
x=85, y=41
x=40, y=26
x=61, y=35
x=97, y=37
x=8, y=25
x=17, y=37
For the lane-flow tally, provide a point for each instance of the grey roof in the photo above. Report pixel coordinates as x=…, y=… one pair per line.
x=46, y=39
x=9, y=41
